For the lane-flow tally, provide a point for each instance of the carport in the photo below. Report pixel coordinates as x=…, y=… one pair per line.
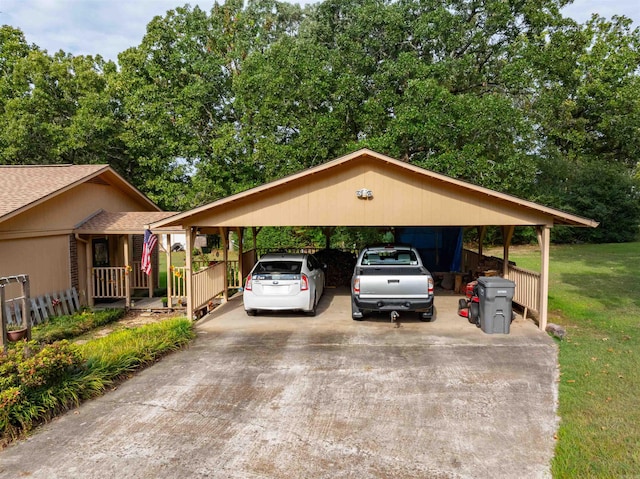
x=368, y=189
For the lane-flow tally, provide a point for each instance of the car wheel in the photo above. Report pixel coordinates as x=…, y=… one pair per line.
x=251, y=312
x=356, y=313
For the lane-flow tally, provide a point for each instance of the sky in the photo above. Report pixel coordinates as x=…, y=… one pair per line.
x=108, y=27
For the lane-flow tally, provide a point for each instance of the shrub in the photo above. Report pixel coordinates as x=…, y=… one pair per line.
x=38, y=381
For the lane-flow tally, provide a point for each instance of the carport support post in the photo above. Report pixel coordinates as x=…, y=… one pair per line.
x=190, y=234
x=482, y=231
x=544, y=236
x=507, y=235
x=224, y=236
x=167, y=252
x=239, y=273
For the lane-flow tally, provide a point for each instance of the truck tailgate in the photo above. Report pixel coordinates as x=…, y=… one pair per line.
x=378, y=282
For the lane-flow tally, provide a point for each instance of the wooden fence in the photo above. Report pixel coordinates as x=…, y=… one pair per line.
x=43, y=307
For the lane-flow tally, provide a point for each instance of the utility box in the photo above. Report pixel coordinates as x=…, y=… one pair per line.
x=495, y=295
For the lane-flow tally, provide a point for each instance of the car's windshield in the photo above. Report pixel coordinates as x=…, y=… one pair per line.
x=389, y=257
x=293, y=267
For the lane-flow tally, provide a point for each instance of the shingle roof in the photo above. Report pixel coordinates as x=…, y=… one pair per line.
x=130, y=222
x=21, y=186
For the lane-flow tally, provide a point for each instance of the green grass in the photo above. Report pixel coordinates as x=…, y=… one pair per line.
x=74, y=325
x=594, y=292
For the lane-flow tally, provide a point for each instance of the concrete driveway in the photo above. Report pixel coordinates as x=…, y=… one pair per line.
x=289, y=396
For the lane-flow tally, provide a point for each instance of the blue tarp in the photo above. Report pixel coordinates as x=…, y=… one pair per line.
x=440, y=247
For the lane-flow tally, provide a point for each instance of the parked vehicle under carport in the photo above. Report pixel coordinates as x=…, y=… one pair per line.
x=283, y=281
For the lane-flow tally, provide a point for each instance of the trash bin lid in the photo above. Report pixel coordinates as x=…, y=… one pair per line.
x=495, y=282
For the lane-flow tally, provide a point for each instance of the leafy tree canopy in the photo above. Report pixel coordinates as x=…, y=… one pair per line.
x=508, y=95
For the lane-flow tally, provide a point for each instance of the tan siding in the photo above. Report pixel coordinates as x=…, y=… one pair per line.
x=400, y=198
x=64, y=211
x=45, y=260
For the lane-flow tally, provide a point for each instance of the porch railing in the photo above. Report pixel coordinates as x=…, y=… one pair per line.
x=178, y=283
x=139, y=279
x=109, y=282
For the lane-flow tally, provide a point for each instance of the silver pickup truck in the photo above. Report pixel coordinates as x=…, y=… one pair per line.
x=391, y=279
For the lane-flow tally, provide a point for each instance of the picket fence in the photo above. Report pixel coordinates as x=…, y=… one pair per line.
x=43, y=307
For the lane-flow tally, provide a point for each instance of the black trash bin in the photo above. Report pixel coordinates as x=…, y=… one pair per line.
x=495, y=295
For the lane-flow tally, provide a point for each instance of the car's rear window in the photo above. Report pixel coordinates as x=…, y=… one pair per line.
x=292, y=267
x=389, y=257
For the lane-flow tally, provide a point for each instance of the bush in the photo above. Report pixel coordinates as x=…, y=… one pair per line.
x=38, y=381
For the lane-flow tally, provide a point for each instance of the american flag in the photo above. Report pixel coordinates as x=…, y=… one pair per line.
x=150, y=241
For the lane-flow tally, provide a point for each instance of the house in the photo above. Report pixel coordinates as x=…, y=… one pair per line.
x=74, y=226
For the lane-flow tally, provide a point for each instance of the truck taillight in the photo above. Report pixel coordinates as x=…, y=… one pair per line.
x=248, y=285
x=304, y=282
x=430, y=285
x=356, y=285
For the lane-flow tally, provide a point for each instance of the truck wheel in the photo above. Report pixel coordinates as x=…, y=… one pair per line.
x=426, y=316
x=356, y=313
x=251, y=312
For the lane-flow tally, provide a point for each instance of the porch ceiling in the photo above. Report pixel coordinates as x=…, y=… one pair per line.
x=130, y=222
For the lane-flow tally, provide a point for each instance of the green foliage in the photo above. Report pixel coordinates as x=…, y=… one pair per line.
x=123, y=351
x=35, y=383
x=70, y=326
x=606, y=193
x=38, y=381
x=508, y=95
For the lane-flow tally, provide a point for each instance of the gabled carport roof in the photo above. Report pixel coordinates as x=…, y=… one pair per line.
x=403, y=195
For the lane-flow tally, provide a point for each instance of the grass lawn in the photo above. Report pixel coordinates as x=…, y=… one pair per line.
x=594, y=292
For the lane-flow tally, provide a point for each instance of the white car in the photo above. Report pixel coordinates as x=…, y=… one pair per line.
x=283, y=281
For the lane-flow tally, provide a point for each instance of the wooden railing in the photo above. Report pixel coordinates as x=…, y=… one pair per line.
x=470, y=260
x=527, y=292
x=178, y=283
x=109, y=282
x=138, y=278
x=232, y=274
x=207, y=284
